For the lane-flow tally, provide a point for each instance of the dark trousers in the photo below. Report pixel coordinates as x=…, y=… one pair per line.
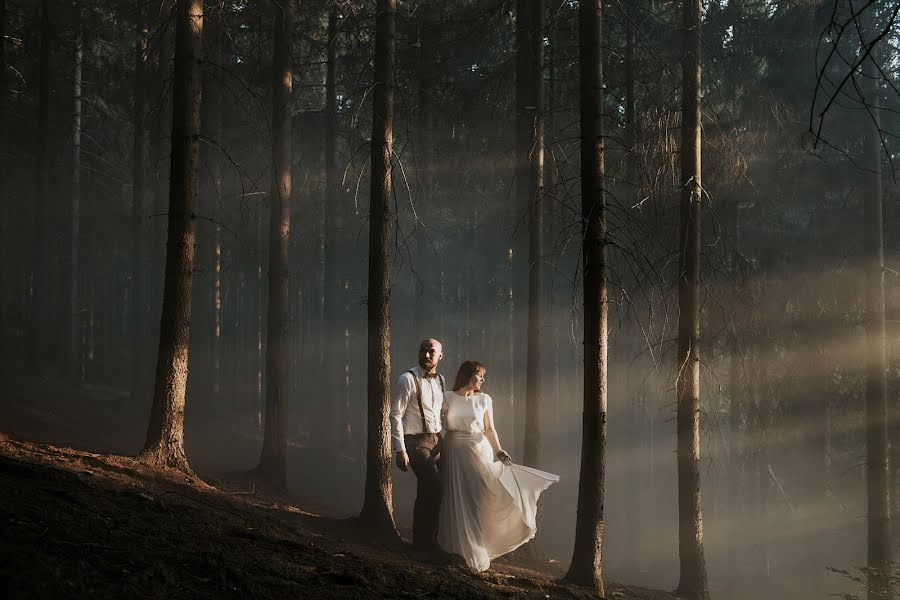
x=423, y=450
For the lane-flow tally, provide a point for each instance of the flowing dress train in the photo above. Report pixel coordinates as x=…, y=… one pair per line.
x=488, y=508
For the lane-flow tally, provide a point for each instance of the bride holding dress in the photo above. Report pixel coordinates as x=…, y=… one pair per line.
x=489, y=506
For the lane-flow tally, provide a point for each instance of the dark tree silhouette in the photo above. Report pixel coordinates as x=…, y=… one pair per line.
x=377, y=510
x=692, y=576
x=3, y=51
x=161, y=126
x=164, y=445
x=273, y=461
x=587, y=559
x=530, y=149
x=331, y=405
x=138, y=192
x=42, y=178
x=73, y=357
x=878, y=492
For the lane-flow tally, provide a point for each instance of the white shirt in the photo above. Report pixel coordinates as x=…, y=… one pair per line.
x=405, y=416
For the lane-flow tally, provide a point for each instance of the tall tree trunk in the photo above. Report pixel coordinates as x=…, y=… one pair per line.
x=811, y=417
x=735, y=450
x=879, y=512
x=428, y=32
x=34, y=358
x=377, y=511
x=73, y=361
x=334, y=327
x=760, y=387
x=692, y=577
x=526, y=116
x=893, y=406
x=138, y=299
x=514, y=433
x=631, y=552
x=3, y=79
x=161, y=144
x=273, y=461
x=210, y=249
x=631, y=162
x=551, y=59
x=424, y=286
x=256, y=382
x=8, y=269
x=165, y=435
x=535, y=235
x=735, y=438
x=217, y=287
x=587, y=558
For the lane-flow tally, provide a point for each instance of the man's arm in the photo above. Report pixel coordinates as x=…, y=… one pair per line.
x=399, y=402
x=440, y=412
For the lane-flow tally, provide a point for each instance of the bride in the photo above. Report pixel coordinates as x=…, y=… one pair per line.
x=489, y=503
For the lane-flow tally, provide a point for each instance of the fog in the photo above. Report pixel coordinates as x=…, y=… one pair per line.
x=783, y=257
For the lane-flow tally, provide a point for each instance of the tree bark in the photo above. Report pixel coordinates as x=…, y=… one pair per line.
x=632, y=554
x=377, y=511
x=811, y=418
x=519, y=211
x=424, y=295
x=760, y=387
x=511, y=348
x=3, y=89
x=736, y=440
x=535, y=236
x=334, y=328
x=210, y=249
x=73, y=362
x=692, y=576
x=165, y=435
x=161, y=144
x=878, y=493
x=273, y=461
x=631, y=163
x=8, y=270
x=587, y=558
x=259, y=362
x=138, y=188
x=34, y=358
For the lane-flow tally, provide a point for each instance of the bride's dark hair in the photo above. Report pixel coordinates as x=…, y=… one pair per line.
x=466, y=370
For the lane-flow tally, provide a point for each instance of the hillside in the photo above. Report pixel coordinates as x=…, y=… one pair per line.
x=85, y=524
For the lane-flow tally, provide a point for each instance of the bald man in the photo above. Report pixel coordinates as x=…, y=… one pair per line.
x=415, y=437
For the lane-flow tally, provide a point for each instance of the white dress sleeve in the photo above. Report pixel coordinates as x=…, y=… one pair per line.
x=488, y=413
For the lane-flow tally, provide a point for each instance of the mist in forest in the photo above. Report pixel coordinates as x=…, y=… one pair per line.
x=776, y=515
x=87, y=104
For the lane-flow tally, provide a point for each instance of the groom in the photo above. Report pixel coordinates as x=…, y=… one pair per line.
x=415, y=437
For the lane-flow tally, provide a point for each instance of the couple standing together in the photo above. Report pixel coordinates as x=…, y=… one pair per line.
x=471, y=499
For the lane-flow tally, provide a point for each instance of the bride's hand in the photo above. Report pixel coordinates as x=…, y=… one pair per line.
x=503, y=456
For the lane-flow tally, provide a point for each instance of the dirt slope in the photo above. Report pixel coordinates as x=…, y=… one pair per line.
x=80, y=524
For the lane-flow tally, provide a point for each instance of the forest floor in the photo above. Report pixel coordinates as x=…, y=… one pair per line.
x=87, y=523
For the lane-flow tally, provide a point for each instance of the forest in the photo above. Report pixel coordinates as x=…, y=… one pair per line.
x=666, y=228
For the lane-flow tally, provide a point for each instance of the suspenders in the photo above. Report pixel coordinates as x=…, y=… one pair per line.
x=419, y=395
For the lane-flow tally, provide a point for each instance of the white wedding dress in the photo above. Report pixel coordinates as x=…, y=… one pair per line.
x=487, y=508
